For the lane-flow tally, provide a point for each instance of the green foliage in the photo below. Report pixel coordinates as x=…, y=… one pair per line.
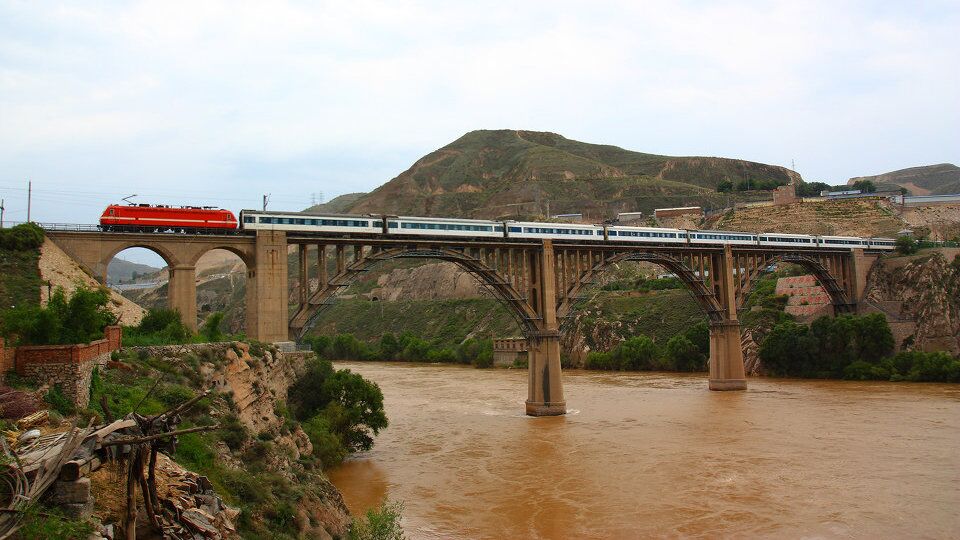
x=348, y=347
x=60, y=402
x=683, y=355
x=829, y=348
x=41, y=522
x=25, y=236
x=340, y=409
x=327, y=446
x=233, y=432
x=724, y=186
x=865, y=186
x=906, y=245
x=158, y=327
x=699, y=335
x=811, y=189
x=211, y=327
x=636, y=353
x=382, y=523
x=80, y=319
x=389, y=347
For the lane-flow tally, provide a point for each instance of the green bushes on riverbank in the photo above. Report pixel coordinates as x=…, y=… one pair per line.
x=850, y=347
x=406, y=347
x=687, y=351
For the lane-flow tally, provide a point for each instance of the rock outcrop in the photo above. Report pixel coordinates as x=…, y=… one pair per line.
x=928, y=285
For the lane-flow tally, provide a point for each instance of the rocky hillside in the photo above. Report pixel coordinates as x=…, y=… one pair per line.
x=926, y=285
x=59, y=270
x=503, y=173
x=121, y=270
x=928, y=180
x=855, y=217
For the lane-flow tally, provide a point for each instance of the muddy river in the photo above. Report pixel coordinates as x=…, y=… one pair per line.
x=656, y=454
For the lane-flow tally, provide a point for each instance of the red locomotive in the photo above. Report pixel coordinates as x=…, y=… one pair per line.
x=162, y=218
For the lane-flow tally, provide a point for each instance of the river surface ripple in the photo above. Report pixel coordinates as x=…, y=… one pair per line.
x=658, y=455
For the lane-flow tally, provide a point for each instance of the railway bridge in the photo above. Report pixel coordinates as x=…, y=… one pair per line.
x=541, y=282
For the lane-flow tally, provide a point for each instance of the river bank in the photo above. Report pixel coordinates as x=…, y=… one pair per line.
x=655, y=454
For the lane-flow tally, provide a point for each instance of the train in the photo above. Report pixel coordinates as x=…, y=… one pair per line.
x=194, y=219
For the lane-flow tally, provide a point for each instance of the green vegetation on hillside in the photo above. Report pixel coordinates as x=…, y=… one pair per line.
x=163, y=326
x=19, y=276
x=406, y=347
x=687, y=351
x=80, y=319
x=848, y=347
x=338, y=411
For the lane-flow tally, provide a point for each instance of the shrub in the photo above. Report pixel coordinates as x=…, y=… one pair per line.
x=446, y=356
x=637, y=353
x=683, y=355
x=22, y=237
x=80, y=319
x=906, y=245
x=389, y=347
x=327, y=447
x=158, y=327
x=484, y=359
x=60, y=402
x=382, y=523
x=233, y=432
x=600, y=360
x=211, y=327
x=52, y=524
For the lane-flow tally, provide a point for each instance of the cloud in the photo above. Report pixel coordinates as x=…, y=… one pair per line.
x=298, y=97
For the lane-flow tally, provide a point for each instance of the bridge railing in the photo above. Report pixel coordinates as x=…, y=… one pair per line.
x=79, y=227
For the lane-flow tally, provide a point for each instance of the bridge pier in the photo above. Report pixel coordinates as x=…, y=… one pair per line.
x=726, y=357
x=267, y=293
x=545, y=383
x=726, y=353
x=182, y=294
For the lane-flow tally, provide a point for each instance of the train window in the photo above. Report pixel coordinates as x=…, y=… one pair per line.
x=516, y=229
x=391, y=224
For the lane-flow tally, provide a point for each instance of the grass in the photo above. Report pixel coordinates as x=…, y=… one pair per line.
x=19, y=277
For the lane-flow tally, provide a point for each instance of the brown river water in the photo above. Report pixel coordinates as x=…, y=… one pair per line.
x=658, y=455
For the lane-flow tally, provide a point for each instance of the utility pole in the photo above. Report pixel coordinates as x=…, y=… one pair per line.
x=266, y=199
x=29, y=198
x=2, y=209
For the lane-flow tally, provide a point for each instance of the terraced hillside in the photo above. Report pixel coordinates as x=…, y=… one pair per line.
x=856, y=217
x=504, y=173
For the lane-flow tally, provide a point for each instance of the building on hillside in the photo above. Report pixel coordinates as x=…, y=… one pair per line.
x=625, y=217
x=785, y=195
x=573, y=218
x=681, y=211
x=894, y=196
x=506, y=351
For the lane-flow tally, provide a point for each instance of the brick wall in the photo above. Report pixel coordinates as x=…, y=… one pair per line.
x=70, y=366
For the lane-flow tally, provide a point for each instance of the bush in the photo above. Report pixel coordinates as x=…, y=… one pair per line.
x=60, y=402
x=683, y=355
x=637, y=353
x=381, y=523
x=22, y=237
x=233, y=432
x=484, y=359
x=327, y=447
x=601, y=360
x=80, y=319
x=211, y=327
x=158, y=327
x=389, y=347
x=906, y=245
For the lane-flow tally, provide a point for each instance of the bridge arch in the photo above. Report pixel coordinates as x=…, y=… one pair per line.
x=839, y=297
x=115, y=249
x=485, y=274
x=694, y=283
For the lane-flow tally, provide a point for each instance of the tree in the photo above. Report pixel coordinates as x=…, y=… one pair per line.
x=211, y=327
x=389, y=347
x=725, y=186
x=811, y=189
x=788, y=350
x=80, y=319
x=865, y=186
x=906, y=245
x=683, y=355
x=637, y=353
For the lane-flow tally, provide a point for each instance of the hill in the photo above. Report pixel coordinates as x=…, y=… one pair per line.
x=337, y=205
x=854, y=217
x=503, y=173
x=927, y=180
x=121, y=270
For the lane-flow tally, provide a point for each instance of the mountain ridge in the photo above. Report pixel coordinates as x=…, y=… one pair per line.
x=493, y=173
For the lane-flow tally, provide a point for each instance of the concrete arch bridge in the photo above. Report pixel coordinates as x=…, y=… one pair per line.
x=541, y=282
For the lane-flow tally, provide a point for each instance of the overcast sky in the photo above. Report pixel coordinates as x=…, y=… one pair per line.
x=220, y=102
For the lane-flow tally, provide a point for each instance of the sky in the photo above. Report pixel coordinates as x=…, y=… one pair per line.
x=221, y=102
